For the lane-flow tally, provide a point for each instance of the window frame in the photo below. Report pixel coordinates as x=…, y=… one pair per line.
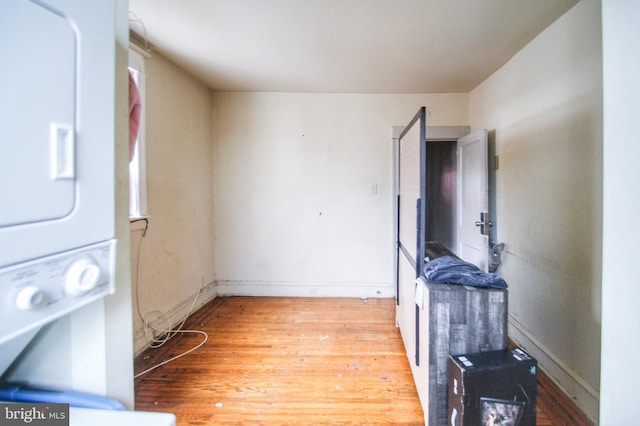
x=138, y=164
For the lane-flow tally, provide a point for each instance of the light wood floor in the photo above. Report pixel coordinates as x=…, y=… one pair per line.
x=296, y=361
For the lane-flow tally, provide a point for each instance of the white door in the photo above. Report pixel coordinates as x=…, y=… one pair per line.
x=472, y=217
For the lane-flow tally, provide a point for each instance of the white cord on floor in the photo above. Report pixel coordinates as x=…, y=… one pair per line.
x=206, y=337
x=169, y=332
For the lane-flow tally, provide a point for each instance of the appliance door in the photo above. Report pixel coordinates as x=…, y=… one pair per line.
x=92, y=417
x=57, y=134
x=37, y=135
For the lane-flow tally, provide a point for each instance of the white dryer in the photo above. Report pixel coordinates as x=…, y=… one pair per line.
x=57, y=131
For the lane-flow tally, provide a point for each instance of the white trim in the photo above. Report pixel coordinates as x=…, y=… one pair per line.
x=446, y=133
x=437, y=133
x=139, y=50
x=584, y=395
x=295, y=289
x=138, y=199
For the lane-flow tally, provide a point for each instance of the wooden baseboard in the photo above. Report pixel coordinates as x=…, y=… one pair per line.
x=555, y=403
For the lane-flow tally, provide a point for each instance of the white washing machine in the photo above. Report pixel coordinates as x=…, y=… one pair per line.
x=91, y=417
x=57, y=179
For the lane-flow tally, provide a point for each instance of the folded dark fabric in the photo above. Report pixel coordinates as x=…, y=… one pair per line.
x=449, y=270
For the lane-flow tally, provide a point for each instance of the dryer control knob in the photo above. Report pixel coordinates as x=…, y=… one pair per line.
x=82, y=276
x=29, y=298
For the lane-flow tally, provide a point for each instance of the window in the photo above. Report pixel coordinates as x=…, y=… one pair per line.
x=137, y=165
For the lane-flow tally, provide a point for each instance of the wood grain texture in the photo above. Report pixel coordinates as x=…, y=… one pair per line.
x=555, y=408
x=289, y=361
x=460, y=320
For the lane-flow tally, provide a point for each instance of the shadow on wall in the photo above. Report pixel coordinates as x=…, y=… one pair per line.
x=550, y=188
x=549, y=200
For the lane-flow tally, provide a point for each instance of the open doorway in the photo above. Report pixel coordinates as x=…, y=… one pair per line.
x=441, y=188
x=442, y=183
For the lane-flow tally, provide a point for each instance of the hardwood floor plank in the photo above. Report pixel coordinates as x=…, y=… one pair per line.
x=294, y=361
x=286, y=361
x=555, y=405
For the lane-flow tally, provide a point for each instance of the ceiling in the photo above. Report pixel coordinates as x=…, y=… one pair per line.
x=342, y=46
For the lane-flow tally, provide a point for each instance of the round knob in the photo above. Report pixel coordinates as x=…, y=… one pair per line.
x=82, y=276
x=29, y=298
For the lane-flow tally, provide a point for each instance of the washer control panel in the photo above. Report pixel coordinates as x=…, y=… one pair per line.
x=39, y=291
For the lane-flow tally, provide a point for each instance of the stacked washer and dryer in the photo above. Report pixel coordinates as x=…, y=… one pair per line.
x=57, y=166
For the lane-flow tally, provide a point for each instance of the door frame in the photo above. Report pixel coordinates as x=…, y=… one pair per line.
x=431, y=134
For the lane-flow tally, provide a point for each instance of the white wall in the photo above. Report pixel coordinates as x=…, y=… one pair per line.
x=296, y=212
x=620, y=289
x=175, y=258
x=544, y=112
x=303, y=189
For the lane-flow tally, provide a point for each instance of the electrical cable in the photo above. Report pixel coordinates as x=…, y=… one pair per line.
x=206, y=337
x=169, y=332
x=134, y=18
